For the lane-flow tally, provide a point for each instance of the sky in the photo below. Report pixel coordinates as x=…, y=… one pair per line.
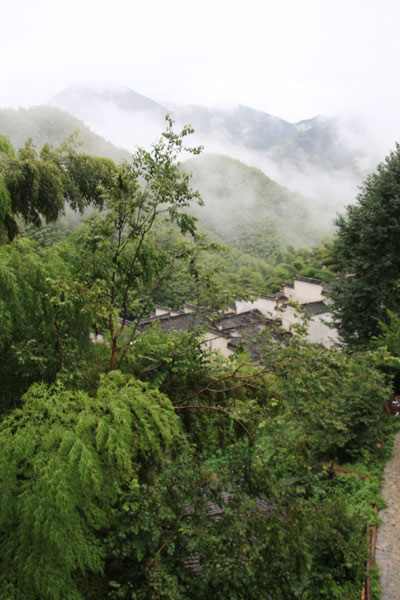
x=291, y=58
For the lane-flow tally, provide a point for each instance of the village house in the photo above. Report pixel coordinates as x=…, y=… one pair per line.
x=224, y=332
x=310, y=294
x=240, y=326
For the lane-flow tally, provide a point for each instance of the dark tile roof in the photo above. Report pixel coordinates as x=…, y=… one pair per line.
x=182, y=322
x=308, y=279
x=249, y=336
x=195, y=307
x=314, y=308
x=242, y=330
x=233, y=320
x=269, y=296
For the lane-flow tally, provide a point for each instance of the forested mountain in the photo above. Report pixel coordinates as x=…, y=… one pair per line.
x=314, y=141
x=325, y=159
x=243, y=206
x=48, y=124
x=250, y=211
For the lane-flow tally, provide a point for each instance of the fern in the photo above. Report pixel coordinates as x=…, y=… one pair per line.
x=66, y=458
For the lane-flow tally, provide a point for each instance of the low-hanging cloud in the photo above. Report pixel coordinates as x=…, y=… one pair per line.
x=326, y=190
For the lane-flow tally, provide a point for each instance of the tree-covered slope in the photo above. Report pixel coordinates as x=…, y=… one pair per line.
x=249, y=210
x=315, y=141
x=53, y=125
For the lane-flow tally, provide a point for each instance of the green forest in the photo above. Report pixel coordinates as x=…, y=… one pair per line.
x=138, y=465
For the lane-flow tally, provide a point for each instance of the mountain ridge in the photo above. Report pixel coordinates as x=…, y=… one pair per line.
x=316, y=141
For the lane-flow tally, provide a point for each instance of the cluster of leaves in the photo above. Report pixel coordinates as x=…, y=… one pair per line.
x=46, y=319
x=66, y=458
x=36, y=186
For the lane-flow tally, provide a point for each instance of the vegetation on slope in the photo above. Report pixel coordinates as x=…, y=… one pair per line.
x=248, y=210
x=51, y=125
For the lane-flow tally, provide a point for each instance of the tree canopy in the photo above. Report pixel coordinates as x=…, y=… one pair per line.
x=36, y=186
x=367, y=249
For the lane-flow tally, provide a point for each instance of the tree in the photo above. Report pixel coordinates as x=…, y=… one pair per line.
x=46, y=319
x=367, y=249
x=66, y=460
x=180, y=456
x=120, y=250
x=36, y=186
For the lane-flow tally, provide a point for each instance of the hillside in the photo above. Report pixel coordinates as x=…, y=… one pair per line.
x=248, y=210
x=323, y=158
x=315, y=141
x=50, y=124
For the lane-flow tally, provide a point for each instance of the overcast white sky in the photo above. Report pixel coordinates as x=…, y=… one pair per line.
x=291, y=58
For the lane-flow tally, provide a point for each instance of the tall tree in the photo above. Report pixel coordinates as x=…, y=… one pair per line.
x=119, y=249
x=368, y=253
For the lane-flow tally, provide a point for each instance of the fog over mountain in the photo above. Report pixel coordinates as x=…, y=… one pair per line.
x=323, y=158
x=320, y=161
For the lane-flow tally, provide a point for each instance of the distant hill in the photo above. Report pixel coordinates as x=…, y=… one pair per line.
x=118, y=113
x=315, y=141
x=250, y=211
x=50, y=124
x=77, y=97
x=243, y=206
x=318, y=141
x=326, y=159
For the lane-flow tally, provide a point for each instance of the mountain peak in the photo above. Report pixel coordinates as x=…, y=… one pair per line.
x=121, y=96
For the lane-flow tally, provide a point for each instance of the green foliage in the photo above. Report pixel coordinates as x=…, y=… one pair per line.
x=6, y=147
x=337, y=536
x=248, y=210
x=84, y=176
x=336, y=399
x=119, y=250
x=37, y=186
x=48, y=124
x=367, y=250
x=66, y=459
x=243, y=534
x=261, y=475
x=46, y=319
x=5, y=199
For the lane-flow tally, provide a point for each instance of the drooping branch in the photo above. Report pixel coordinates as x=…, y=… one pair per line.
x=210, y=386
x=221, y=410
x=169, y=538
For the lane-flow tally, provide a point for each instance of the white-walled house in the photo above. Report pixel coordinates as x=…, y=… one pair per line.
x=304, y=290
x=239, y=327
x=310, y=295
x=267, y=304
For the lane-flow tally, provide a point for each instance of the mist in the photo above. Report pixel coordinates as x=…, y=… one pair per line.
x=325, y=191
